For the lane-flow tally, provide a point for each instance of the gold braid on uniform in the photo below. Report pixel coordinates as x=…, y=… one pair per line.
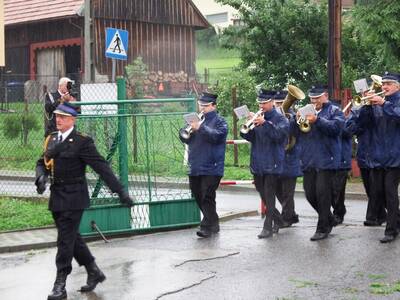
x=49, y=163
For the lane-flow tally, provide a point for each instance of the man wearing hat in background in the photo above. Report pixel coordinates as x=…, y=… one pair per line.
x=207, y=143
x=268, y=140
x=52, y=100
x=65, y=159
x=286, y=183
x=320, y=154
x=384, y=118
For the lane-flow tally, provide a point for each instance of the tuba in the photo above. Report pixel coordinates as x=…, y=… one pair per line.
x=294, y=94
x=249, y=125
x=187, y=131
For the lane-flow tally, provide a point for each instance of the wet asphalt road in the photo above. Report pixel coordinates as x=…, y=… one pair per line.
x=234, y=264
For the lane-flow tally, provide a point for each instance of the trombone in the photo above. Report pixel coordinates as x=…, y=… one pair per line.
x=249, y=125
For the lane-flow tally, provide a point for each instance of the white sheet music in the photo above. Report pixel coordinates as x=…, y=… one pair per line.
x=191, y=117
x=242, y=111
x=309, y=109
x=360, y=85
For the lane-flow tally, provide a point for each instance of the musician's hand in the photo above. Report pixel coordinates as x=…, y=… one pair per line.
x=67, y=98
x=377, y=100
x=259, y=121
x=298, y=116
x=250, y=115
x=195, y=126
x=311, y=118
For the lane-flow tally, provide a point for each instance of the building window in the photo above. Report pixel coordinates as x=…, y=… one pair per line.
x=217, y=18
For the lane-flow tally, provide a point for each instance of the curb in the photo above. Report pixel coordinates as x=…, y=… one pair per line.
x=52, y=242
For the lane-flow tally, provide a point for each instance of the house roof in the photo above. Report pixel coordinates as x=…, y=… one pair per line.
x=23, y=11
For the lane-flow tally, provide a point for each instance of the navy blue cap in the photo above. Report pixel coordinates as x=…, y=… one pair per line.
x=391, y=77
x=317, y=90
x=280, y=96
x=66, y=109
x=207, y=98
x=265, y=96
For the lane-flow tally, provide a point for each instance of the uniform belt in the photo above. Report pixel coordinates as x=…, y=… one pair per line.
x=73, y=180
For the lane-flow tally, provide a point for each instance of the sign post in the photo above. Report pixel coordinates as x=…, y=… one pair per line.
x=116, y=47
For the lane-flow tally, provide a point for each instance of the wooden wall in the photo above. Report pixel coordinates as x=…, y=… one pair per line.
x=163, y=47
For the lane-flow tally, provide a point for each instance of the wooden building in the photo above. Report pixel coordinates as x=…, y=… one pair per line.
x=45, y=38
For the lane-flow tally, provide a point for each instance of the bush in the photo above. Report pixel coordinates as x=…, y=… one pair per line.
x=15, y=126
x=245, y=91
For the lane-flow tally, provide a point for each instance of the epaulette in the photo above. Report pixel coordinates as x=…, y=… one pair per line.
x=54, y=132
x=82, y=134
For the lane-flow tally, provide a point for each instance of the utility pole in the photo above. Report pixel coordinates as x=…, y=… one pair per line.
x=88, y=41
x=335, y=49
x=2, y=46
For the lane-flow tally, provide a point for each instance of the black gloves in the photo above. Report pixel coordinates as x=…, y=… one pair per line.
x=41, y=184
x=125, y=199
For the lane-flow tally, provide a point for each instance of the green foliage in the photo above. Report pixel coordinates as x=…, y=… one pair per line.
x=245, y=90
x=276, y=42
x=22, y=214
x=207, y=38
x=136, y=73
x=377, y=25
x=14, y=125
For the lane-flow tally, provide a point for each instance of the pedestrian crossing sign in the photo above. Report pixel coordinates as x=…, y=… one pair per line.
x=116, y=43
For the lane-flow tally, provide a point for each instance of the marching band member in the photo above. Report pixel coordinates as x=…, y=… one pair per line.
x=384, y=116
x=268, y=140
x=320, y=157
x=207, y=144
x=286, y=183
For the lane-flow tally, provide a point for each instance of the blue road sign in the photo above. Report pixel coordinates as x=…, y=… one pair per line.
x=116, y=43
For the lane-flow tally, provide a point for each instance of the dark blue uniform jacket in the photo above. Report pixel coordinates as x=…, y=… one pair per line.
x=321, y=148
x=207, y=146
x=268, y=143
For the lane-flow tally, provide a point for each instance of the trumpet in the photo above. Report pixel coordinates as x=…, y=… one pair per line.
x=359, y=101
x=187, y=131
x=304, y=124
x=249, y=125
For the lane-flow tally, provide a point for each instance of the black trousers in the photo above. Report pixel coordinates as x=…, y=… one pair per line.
x=318, y=189
x=285, y=194
x=385, y=188
x=266, y=187
x=376, y=208
x=339, y=192
x=204, y=188
x=69, y=242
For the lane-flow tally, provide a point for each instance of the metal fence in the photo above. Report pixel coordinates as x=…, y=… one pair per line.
x=138, y=137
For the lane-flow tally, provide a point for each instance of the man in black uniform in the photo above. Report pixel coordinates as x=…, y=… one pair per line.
x=65, y=159
x=52, y=100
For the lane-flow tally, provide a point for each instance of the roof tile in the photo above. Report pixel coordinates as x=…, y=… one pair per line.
x=23, y=11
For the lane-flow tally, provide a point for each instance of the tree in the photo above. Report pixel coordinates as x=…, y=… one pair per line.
x=282, y=41
x=377, y=24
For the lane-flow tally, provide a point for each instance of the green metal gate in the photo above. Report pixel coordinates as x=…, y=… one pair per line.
x=140, y=140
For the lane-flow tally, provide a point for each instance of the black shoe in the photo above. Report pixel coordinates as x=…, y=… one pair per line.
x=204, y=233
x=319, y=236
x=264, y=234
x=59, y=292
x=387, y=239
x=285, y=224
x=214, y=229
x=372, y=223
x=338, y=219
x=95, y=276
x=294, y=219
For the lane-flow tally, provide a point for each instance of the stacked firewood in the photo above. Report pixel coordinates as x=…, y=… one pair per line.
x=159, y=76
